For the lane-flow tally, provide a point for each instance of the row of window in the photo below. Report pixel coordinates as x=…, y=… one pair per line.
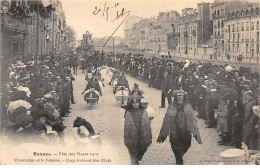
x=243, y=27
x=162, y=39
x=234, y=35
x=163, y=46
x=219, y=23
x=188, y=29
x=183, y=48
x=237, y=48
x=189, y=40
x=218, y=13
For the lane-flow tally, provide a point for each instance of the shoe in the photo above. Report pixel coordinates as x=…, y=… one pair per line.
x=209, y=126
x=162, y=107
x=206, y=122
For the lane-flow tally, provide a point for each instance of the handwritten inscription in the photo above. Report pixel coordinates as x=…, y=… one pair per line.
x=106, y=11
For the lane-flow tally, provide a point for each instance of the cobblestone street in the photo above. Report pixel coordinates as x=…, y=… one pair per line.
x=107, y=118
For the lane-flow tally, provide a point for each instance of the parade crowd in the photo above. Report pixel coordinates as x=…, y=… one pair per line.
x=35, y=97
x=38, y=92
x=225, y=97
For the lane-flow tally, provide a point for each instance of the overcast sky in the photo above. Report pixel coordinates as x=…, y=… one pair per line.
x=79, y=13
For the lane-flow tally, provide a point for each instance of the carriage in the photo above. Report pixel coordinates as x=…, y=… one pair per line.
x=91, y=97
x=121, y=94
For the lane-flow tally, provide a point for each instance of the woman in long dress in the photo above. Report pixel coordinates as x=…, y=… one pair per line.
x=137, y=129
x=180, y=123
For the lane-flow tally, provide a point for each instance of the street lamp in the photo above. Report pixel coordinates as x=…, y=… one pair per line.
x=113, y=45
x=37, y=34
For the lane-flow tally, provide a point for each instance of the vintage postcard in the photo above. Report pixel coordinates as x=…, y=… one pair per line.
x=130, y=82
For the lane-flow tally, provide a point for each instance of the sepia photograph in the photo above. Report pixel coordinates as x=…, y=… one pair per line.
x=130, y=82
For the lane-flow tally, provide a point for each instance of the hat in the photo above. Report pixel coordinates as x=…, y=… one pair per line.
x=179, y=92
x=24, y=89
x=21, y=65
x=30, y=63
x=23, y=119
x=16, y=112
x=135, y=96
x=48, y=96
x=229, y=68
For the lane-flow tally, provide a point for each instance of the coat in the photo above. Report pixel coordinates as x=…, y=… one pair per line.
x=137, y=138
x=166, y=83
x=169, y=123
x=222, y=119
x=247, y=126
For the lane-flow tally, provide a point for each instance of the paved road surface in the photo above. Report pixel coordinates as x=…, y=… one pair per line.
x=107, y=118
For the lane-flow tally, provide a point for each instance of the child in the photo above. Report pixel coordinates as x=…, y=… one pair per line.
x=222, y=114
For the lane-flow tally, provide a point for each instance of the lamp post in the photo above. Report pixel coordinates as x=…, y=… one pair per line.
x=37, y=35
x=113, y=45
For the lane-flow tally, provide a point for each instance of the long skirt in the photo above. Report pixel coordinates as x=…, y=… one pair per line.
x=137, y=152
x=180, y=146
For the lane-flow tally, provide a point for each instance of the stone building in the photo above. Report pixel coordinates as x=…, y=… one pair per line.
x=242, y=34
x=194, y=28
x=219, y=10
x=162, y=28
x=30, y=28
x=150, y=34
x=130, y=31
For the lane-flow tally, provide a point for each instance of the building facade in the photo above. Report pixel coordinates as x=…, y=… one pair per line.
x=152, y=35
x=162, y=27
x=30, y=28
x=242, y=34
x=220, y=10
x=194, y=28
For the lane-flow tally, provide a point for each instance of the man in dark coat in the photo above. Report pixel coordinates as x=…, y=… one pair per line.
x=75, y=65
x=166, y=87
x=152, y=75
x=200, y=94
